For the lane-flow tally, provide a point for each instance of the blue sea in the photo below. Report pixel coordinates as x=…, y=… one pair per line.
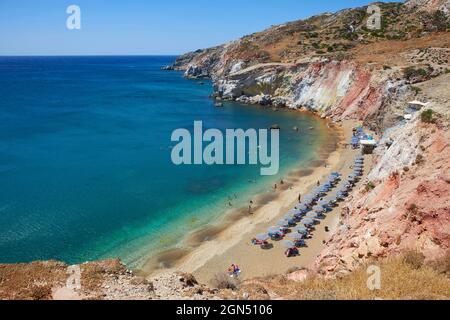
x=85, y=157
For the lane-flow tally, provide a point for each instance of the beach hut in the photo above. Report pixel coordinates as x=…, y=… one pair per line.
x=368, y=145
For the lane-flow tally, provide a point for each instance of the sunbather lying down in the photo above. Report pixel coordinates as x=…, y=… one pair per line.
x=257, y=242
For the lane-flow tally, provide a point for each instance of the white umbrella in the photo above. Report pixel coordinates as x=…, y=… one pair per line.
x=302, y=230
x=262, y=237
x=283, y=223
x=296, y=236
x=308, y=222
x=289, y=244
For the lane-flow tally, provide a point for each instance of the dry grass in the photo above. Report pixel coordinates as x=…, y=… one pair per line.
x=223, y=281
x=402, y=278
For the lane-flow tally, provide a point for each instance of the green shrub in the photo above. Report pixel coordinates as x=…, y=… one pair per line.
x=420, y=159
x=224, y=281
x=427, y=116
x=370, y=186
x=411, y=72
x=416, y=90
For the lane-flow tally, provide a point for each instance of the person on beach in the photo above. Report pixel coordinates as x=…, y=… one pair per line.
x=299, y=198
x=318, y=183
x=234, y=270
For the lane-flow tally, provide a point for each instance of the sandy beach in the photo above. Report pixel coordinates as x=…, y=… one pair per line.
x=217, y=247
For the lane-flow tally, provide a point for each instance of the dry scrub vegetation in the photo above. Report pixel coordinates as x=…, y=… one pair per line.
x=404, y=277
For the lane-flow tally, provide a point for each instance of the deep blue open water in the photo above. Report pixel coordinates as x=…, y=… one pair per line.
x=85, y=167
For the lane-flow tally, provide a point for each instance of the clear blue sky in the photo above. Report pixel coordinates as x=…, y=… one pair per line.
x=38, y=27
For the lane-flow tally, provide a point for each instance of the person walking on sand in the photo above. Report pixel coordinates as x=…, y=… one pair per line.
x=299, y=198
x=318, y=183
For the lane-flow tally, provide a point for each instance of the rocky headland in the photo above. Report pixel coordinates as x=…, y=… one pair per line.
x=334, y=65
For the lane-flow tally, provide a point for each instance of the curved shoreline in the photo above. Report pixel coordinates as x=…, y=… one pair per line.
x=206, y=244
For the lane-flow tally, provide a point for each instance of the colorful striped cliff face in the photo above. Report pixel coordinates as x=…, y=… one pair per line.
x=336, y=89
x=339, y=89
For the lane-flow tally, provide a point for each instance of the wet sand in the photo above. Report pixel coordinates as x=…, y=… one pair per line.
x=217, y=247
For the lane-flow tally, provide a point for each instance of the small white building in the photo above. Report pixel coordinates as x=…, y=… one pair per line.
x=368, y=146
x=417, y=105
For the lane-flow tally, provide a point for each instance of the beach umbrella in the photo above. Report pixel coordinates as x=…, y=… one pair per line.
x=283, y=223
x=298, y=214
x=319, y=209
x=289, y=244
x=308, y=222
x=323, y=203
x=274, y=231
x=336, y=174
x=328, y=185
x=308, y=199
x=296, y=236
x=302, y=230
x=262, y=237
x=289, y=217
x=303, y=208
x=293, y=213
x=311, y=215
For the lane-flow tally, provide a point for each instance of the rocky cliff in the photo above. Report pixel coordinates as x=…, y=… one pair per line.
x=332, y=64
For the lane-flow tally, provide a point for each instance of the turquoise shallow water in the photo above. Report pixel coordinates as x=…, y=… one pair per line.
x=85, y=168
